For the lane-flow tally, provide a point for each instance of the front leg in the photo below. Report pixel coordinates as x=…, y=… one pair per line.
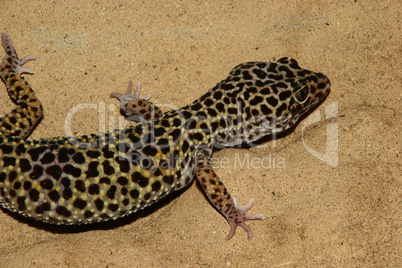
x=220, y=197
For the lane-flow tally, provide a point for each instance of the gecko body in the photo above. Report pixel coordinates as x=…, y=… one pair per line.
x=92, y=178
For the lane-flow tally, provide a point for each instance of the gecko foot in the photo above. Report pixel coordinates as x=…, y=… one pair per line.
x=16, y=63
x=238, y=217
x=135, y=109
x=128, y=96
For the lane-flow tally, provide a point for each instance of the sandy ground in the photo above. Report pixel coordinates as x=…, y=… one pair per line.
x=341, y=212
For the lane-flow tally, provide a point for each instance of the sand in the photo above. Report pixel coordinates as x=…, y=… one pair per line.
x=340, y=211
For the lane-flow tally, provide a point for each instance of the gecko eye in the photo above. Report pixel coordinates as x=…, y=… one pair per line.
x=301, y=96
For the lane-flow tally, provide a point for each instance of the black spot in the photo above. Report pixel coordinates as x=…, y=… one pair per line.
x=196, y=106
x=7, y=149
x=46, y=184
x=247, y=76
x=160, y=131
x=272, y=101
x=284, y=95
x=8, y=161
x=139, y=179
x=265, y=91
x=256, y=100
x=54, y=171
x=260, y=74
x=303, y=72
x=280, y=109
x=165, y=123
x=186, y=115
x=99, y=204
x=93, y=154
x=79, y=158
x=67, y=193
x=198, y=136
x=20, y=149
x=65, y=182
x=47, y=158
x=221, y=107
x=42, y=208
x=62, y=156
x=17, y=185
x=275, y=77
x=63, y=211
x=123, y=191
x=88, y=214
x=36, y=173
x=185, y=146
x=320, y=86
x=164, y=145
x=176, y=122
x=34, y=195
x=92, y=171
x=201, y=115
x=21, y=203
x=190, y=124
x=150, y=150
x=104, y=180
x=54, y=196
x=156, y=186
x=111, y=192
x=265, y=110
x=93, y=189
x=176, y=134
x=133, y=138
x=25, y=165
x=217, y=95
x=79, y=185
x=35, y=152
x=123, y=163
x=208, y=102
x=227, y=86
x=113, y=207
x=12, y=193
x=12, y=176
x=289, y=73
x=134, y=193
x=107, y=168
x=212, y=112
x=122, y=181
x=232, y=110
x=79, y=203
x=27, y=185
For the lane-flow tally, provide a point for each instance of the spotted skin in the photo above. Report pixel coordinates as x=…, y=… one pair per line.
x=93, y=178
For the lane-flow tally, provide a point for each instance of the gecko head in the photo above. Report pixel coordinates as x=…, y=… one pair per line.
x=270, y=97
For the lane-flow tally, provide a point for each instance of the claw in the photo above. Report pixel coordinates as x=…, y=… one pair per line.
x=241, y=218
x=128, y=96
x=17, y=63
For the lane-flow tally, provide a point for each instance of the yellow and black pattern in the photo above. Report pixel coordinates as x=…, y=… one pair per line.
x=92, y=178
